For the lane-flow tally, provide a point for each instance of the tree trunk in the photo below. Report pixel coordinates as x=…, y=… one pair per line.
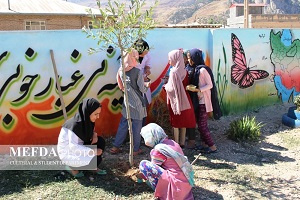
x=127, y=111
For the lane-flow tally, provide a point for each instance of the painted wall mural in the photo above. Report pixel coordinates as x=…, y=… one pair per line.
x=241, y=74
x=264, y=68
x=285, y=58
x=252, y=68
x=30, y=108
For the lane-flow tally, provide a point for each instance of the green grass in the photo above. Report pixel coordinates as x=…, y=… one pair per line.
x=44, y=185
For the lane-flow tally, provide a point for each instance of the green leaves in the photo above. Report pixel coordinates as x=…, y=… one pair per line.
x=121, y=24
x=297, y=102
x=245, y=129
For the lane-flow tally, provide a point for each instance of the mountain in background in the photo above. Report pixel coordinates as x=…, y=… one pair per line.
x=284, y=7
x=203, y=11
x=278, y=6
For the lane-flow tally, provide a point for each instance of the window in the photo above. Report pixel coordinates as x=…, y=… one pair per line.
x=35, y=25
x=90, y=24
x=94, y=24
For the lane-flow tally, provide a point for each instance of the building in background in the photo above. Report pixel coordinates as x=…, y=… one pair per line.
x=274, y=21
x=258, y=18
x=43, y=15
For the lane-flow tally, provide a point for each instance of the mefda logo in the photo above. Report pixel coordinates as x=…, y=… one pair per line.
x=31, y=151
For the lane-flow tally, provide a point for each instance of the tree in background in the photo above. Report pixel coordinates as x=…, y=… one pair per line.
x=120, y=25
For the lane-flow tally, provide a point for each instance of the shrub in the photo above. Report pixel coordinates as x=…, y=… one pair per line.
x=297, y=102
x=245, y=129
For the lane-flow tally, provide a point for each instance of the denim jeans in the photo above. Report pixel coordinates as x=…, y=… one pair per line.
x=123, y=130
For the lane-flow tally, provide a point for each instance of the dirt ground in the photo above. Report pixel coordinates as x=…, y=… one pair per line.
x=265, y=170
x=268, y=169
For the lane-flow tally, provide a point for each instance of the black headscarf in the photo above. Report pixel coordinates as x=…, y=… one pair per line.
x=197, y=58
x=141, y=45
x=80, y=123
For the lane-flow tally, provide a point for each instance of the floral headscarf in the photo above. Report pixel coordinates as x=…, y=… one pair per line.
x=153, y=134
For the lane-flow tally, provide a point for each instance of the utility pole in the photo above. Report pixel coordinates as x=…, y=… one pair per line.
x=246, y=14
x=8, y=5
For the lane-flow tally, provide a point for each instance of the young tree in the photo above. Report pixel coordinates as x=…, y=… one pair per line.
x=120, y=25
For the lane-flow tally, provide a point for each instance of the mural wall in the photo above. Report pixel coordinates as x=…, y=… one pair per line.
x=256, y=67
x=30, y=108
x=252, y=68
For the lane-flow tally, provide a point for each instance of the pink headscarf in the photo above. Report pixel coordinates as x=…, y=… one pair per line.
x=130, y=61
x=176, y=93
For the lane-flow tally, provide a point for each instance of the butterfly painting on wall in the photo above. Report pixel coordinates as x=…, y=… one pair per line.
x=240, y=72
